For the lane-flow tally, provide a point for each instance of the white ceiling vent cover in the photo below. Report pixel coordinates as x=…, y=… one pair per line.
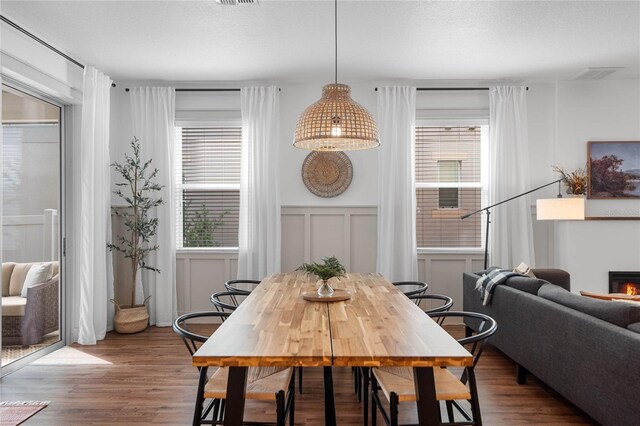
x=595, y=73
x=236, y=2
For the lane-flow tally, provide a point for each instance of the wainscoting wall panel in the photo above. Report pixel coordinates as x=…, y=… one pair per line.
x=199, y=273
x=294, y=239
x=309, y=234
x=329, y=236
x=363, y=242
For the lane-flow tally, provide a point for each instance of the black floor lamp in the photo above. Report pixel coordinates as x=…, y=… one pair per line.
x=488, y=210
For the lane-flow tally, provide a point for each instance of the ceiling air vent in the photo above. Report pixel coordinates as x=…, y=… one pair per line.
x=595, y=73
x=236, y=2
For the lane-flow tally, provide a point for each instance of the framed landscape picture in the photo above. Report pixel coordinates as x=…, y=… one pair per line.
x=613, y=170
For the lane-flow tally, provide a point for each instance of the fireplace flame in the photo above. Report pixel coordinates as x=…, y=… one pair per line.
x=630, y=289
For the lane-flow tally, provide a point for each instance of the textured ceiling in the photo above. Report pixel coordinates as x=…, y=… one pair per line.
x=378, y=40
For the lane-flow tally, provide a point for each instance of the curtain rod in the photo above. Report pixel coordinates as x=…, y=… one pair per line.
x=39, y=40
x=235, y=89
x=438, y=89
x=42, y=42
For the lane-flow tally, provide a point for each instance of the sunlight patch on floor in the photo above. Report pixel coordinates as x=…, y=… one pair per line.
x=70, y=356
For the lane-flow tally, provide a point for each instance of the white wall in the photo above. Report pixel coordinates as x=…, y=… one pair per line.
x=364, y=186
x=294, y=98
x=313, y=227
x=563, y=117
x=27, y=62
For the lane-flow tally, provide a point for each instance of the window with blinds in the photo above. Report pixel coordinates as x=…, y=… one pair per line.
x=208, y=186
x=449, y=185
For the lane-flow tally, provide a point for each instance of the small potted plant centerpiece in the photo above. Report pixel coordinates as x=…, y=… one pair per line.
x=329, y=268
x=138, y=193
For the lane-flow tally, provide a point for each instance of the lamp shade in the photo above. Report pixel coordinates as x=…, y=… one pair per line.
x=560, y=208
x=336, y=123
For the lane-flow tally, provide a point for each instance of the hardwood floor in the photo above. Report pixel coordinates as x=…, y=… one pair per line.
x=148, y=378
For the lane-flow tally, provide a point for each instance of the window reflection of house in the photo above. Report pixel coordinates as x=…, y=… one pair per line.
x=448, y=185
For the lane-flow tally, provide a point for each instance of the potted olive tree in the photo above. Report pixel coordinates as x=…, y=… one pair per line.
x=331, y=267
x=139, y=193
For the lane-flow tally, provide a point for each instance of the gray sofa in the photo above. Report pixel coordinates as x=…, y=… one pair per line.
x=587, y=350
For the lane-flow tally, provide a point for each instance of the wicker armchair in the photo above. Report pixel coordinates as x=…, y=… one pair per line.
x=26, y=322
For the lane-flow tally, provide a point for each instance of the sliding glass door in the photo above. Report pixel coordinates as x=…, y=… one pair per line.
x=31, y=224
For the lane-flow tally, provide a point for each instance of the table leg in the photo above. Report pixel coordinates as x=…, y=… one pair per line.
x=428, y=406
x=329, y=403
x=236, y=387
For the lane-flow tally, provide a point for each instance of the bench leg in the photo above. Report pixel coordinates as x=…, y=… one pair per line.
x=521, y=374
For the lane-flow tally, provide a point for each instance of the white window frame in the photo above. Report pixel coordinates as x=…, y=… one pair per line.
x=180, y=187
x=482, y=184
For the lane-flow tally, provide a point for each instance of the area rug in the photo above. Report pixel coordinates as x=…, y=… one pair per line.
x=13, y=413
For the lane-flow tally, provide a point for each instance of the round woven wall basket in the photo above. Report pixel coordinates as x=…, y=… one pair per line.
x=327, y=174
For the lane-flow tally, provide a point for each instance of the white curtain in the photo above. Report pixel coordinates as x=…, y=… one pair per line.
x=259, y=229
x=94, y=267
x=154, y=124
x=397, y=252
x=511, y=232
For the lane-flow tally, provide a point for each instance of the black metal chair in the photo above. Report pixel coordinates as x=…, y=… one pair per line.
x=227, y=301
x=444, y=304
x=263, y=383
x=243, y=286
x=412, y=288
x=398, y=385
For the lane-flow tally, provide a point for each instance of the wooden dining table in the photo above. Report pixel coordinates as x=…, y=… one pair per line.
x=378, y=326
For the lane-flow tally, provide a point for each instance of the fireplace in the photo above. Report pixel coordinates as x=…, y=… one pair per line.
x=624, y=282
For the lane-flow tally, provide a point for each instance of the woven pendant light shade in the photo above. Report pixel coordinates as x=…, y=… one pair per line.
x=336, y=123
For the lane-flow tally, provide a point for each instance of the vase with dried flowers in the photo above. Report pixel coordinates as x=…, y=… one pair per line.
x=576, y=180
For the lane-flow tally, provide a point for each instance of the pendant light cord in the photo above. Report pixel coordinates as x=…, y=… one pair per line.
x=335, y=37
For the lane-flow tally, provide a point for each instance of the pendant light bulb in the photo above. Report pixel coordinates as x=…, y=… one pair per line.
x=336, y=130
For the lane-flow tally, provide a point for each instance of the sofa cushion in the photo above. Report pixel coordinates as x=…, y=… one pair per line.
x=13, y=306
x=634, y=327
x=555, y=276
x=527, y=284
x=621, y=314
x=38, y=273
x=7, y=269
x=17, y=278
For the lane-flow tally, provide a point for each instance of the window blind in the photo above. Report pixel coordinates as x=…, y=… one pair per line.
x=211, y=155
x=209, y=186
x=448, y=184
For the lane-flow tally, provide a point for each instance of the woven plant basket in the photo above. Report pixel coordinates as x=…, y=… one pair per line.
x=131, y=319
